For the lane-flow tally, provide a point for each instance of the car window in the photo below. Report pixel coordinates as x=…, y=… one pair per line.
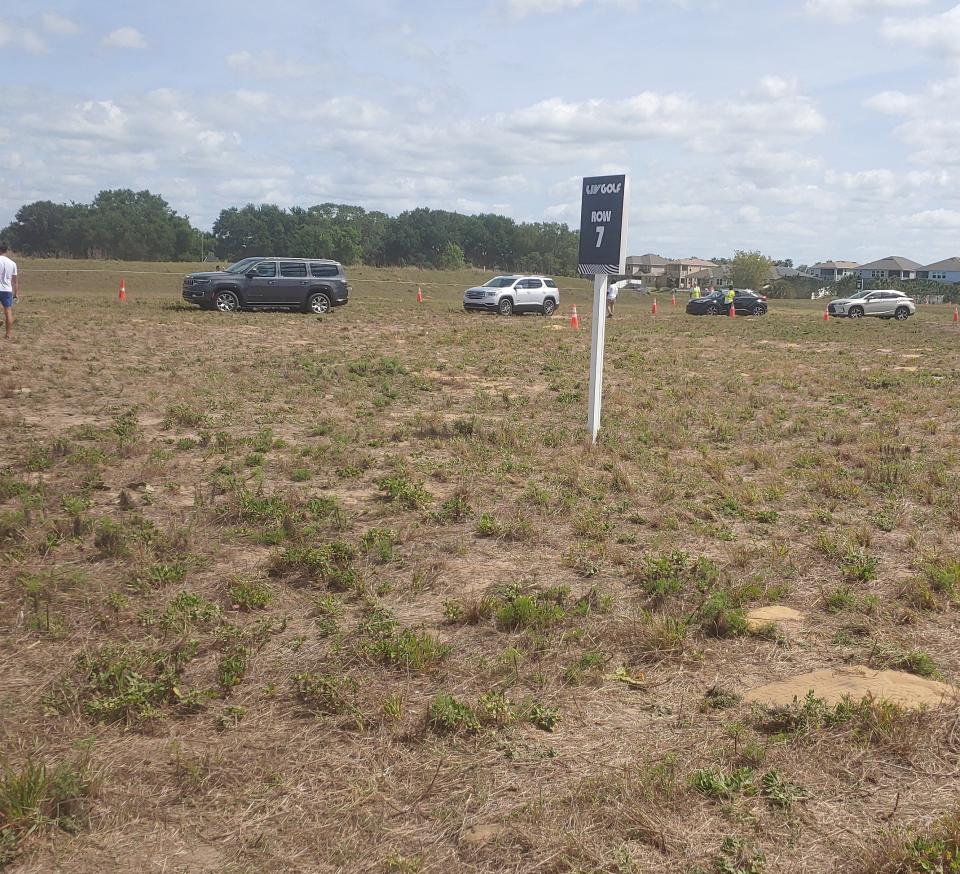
x=294, y=269
x=323, y=270
x=267, y=268
x=534, y=283
x=551, y=284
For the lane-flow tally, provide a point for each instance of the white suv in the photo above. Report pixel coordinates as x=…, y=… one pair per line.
x=885, y=303
x=514, y=294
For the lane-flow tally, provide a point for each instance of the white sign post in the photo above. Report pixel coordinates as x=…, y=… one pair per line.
x=604, y=211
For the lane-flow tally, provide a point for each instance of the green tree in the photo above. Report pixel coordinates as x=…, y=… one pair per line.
x=750, y=270
x=452, y=258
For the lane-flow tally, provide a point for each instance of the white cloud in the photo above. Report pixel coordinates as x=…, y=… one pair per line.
x=934, y=218
x=847, y=10
x=125, y=38
x=929, y=125
x=523, y=8
x=937, y=33
x=60, y=25
x=21, y=37
x=269, y=65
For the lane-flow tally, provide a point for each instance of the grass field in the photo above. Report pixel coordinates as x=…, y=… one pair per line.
x=290, y=594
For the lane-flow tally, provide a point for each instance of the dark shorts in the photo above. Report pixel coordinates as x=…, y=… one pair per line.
x=6, y=299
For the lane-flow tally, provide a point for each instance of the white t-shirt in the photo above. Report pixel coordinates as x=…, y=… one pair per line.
x=8, y=269
x=612, y=291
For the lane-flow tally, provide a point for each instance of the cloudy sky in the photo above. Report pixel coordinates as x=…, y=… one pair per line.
x=812, y=129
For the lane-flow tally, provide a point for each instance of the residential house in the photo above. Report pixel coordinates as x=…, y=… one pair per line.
x=646, y=265
x=717, y=276
x=833, y=271
x=679, y=273
x=947, y=270
x=894, y=267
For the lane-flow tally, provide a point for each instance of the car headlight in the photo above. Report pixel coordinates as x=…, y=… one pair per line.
x=491, y=294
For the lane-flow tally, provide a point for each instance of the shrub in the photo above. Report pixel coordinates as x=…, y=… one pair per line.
x=34, y=796
x=545, y=718
x=399, y=489
x=446, y=715
x=249, y=594
x=330, y=565
x=333, y=694
x=720, y=616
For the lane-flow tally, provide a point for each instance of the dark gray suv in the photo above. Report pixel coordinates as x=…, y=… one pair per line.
x=312, y=284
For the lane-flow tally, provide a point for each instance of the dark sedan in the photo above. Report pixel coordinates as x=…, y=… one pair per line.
x=745, y=303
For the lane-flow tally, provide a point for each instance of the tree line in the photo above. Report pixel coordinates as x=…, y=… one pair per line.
x=140, y=226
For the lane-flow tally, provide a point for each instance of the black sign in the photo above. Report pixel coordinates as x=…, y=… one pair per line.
x=602, y=226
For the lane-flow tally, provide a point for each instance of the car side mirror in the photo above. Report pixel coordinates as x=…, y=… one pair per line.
x=250, y=274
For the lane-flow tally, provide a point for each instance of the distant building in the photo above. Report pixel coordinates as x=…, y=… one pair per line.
x=718, y=276
x=646, y=265
x=680, y=273
x=947, y=270
x=834, y=271
x=894, y=267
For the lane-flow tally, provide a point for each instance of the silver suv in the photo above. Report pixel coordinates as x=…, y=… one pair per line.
x=514, y=294
x=885, y=304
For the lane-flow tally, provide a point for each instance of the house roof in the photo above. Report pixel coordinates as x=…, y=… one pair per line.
x=714, y=272
x=892, y=262
x=835, y=265
x=946, y=264
x=693, y=262
x=648, y=260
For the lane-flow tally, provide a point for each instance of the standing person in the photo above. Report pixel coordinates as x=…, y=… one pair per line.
x=9, y=288
x=729, y=296
x=695, y=294
x=612, y=292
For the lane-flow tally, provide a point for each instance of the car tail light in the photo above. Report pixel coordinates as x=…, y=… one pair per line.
x=763, y=297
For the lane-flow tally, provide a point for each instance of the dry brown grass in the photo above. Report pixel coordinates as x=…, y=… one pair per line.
x=409, y=490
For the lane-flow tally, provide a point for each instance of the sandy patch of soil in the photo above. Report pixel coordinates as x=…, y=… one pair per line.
x=856, y=682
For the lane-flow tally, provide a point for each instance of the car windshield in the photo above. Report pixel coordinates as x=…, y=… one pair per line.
x=860, y=294
x=242, y=266
x=500, y=282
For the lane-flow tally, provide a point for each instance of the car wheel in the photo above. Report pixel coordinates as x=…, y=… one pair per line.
x=855, y=313
x=549, y=305
x=758, y=310
x=505, y=307
x=713, y=310
x=318, y=304
x=227, y=302
x=901, y=314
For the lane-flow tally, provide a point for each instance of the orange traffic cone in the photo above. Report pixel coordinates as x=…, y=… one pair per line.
x=733, y=311
x=653, y=309
x=574, y=319
x=956, y=315
x=419, y=295
x=673, y=299
x=826, y=316
x=123, y=291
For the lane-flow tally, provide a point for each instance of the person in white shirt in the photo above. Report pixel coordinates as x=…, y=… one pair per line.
x=612, y=292
x=9, y=288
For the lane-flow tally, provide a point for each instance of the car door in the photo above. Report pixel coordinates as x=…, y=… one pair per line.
x=293, y=283
x=535, y=292
x=888, y=302
x=521, y=294
x=873, y=304
x=261, y=286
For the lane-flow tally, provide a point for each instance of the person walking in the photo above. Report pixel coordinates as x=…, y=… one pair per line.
x=729, y=296
x=9, y=288
x=612, y=292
